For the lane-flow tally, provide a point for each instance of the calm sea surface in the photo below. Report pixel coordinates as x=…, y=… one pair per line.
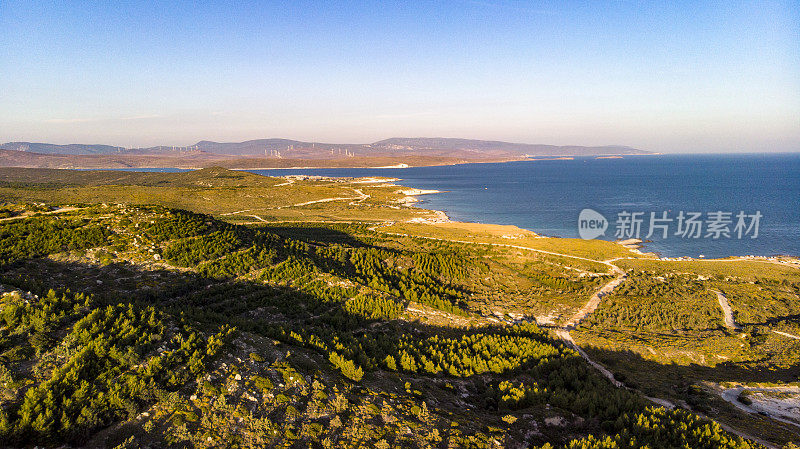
x=547, y=196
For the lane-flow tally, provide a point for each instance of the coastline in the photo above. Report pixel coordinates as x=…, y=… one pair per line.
x=397, y=166
x=508, y=231
x=634, y=246
x=412, y=196
x=151, y=163
x=226, y=163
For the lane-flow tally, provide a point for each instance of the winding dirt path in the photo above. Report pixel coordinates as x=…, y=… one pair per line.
x=361, y=197
x=732, y=395
x=613, y=268
x=563, y=334
x=594, y=301
x=353, y=201
x=51, y=212
x=726, y=310
x=581, y=314
x=787, y=335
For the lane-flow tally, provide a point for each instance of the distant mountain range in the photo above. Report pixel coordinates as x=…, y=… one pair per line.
x=284, y=153
x=491, y=146
x=419, y=146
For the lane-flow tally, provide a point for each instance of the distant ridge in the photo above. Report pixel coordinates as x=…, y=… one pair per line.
x=49, y=148
x=441, y=143
x=296, y=149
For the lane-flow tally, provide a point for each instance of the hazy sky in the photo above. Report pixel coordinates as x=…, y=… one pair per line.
x=662, y=76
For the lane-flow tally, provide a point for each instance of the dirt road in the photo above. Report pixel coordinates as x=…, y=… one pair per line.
x=787, y=335
x=778, y=414
x=726, y=310
x=594, y=301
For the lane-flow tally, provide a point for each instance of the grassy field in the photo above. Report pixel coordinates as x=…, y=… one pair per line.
x=511, y=235
x=194, y=160
x=237, y=196
x=749, y=270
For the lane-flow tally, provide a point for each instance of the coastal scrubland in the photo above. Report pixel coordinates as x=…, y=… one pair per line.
x=222, y=309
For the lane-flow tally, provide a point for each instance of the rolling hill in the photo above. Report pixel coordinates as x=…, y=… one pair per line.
x=285, y=153
x=426, y=146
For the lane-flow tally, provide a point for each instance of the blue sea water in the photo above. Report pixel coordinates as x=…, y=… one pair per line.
x=547, y=196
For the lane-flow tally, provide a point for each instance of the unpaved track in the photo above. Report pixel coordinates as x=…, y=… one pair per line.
x=564, y=335
x=594, y=301
x=787, y=335
x=612, y=267
x=726, y=310
x=57, y=211
x=353, y=201
x=361, y=197
x=591, y=306
x=732, y=395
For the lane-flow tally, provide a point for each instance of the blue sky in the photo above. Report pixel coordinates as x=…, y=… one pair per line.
x=663, y=76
